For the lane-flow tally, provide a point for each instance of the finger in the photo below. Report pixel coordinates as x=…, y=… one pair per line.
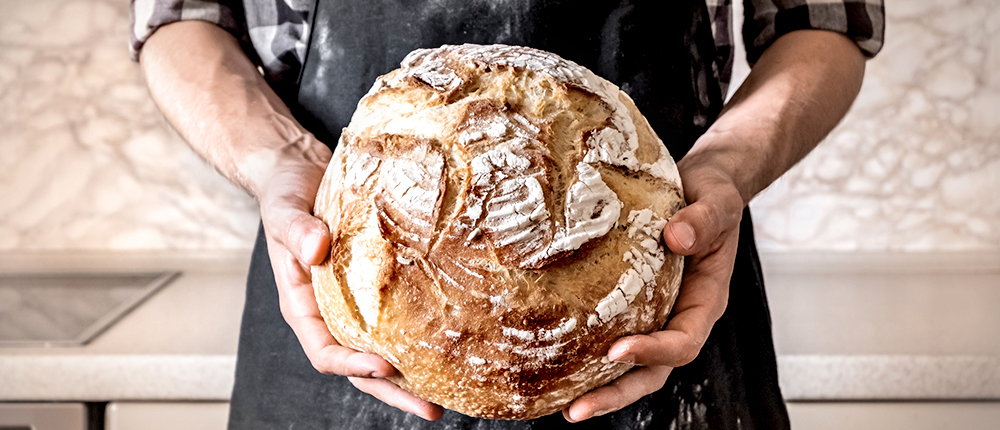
x=703, y=297
x=696, y=228
x=291, y=224
x=396, y=397
x=714, y=206
x=620, y=393
x=294, y=282
x=677, y=345
x=329, y=357
x=297, y=301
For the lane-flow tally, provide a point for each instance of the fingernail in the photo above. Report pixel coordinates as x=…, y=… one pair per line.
x=575, y=418
x=601, y=412
x=310, y=245
x=379, y=373
x=684, y=234
x=625, y=359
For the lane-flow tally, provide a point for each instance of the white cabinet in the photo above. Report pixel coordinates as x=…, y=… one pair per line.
x=43, y=416
x=166, y=415
x=894, y=415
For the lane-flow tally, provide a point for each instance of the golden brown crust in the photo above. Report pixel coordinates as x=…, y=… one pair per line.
x=496, y=214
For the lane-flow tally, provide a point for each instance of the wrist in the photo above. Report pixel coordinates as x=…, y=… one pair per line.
x=725, y=166
x=286, y=149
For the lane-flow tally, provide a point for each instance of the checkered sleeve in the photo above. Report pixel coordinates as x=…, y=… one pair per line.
x=149, y=15
x=861, y=20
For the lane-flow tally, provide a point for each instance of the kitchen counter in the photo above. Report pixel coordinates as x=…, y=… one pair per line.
x=846, y=327
x=882, y=326
x=178, y=344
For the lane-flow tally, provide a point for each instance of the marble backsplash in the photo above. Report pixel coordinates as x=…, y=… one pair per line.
x=915, y=165
x=86, y=159
x=87, y=162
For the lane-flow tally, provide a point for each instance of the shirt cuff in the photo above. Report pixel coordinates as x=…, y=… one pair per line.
x=149, y=15
x=861, y=20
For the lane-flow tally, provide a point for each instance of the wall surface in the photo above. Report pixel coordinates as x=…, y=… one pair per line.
x=87, y=162
x=915, y=165
x=86, y=159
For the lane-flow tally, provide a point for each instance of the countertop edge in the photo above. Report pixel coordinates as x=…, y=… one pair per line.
x=90, y=261
x=210, y=377
x=889, y=377
x=116, y=377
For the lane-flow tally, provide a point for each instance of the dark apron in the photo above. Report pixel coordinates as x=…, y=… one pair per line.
x=660, y=53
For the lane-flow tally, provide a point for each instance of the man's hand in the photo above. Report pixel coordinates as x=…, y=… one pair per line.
x=707, y=231
x=295, y=241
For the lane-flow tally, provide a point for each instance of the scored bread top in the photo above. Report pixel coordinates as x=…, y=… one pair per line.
x=496, y=213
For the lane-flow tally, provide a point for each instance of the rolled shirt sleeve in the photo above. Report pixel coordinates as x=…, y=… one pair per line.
x=149, y=15
x=861, y=20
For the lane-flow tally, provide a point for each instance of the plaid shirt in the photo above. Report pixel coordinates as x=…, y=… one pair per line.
x=275, y=33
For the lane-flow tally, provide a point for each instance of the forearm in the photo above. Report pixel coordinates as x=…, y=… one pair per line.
x=796, y=93
x=215, y=98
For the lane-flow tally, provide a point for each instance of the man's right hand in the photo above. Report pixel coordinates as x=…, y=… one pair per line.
x=215, y=98
x=295, y=241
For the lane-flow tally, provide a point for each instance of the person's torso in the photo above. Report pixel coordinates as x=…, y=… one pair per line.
x=280, y=31
x=660, y=52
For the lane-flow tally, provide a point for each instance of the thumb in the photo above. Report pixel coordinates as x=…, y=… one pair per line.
x=696, y=227
x=310, y=239
x=306, y=237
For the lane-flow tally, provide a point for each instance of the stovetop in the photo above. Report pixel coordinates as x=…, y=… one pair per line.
x=69, y=309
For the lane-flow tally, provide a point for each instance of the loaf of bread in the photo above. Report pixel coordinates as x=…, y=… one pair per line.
x=496, y=215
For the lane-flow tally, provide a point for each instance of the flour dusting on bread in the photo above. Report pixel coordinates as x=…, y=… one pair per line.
x=496, y=213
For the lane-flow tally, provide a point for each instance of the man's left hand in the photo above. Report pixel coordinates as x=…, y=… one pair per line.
x=707, y=231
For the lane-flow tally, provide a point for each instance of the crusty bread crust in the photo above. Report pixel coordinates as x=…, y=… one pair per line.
x=496, y=214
